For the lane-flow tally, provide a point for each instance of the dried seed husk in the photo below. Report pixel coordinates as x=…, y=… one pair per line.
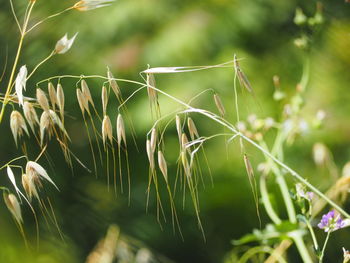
x=184, y=141
x=107, y=132
x=30, y=114
x=13, y=206
x=45, y=124
x=153, y=140
x=42, y=99
x=17, y=125
x=60, y=99
x=192, y=128
x=35, y=169
x=162, y=165
x=104, y=97
x=114, y=85
x=52, y=94
x=83, y=103
x=86, y=92
x=28, y=183
x=151, y=84
x=178, y=127
x=121, y=130
x=219, y=105
x=150, y=154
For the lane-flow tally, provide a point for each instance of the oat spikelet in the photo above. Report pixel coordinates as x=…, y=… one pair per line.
x=45, y=124
x=83, y=103
x=42, y=99
x=107, y=132
x=30, y=115
x=150, y=154
x=52, y=95
x=86, y=92
x=184, y=142
x=34, y=169
x=219, y=105
x=60, y=99
x=152, y=93
x=153, y=140
x=17, y=125
x=104, y=97
x=178, y=127
x=162, y=165
x=13, y=206
x=185, y=164
x=114, y=85
x=121, y=130
x=28, y=183
x=192, y=128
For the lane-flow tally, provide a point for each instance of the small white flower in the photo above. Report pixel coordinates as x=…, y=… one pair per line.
x=20, y=83
x=64, y=44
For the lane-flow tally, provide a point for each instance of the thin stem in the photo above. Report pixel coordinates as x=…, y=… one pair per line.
x=15, y=16
x=304, y=253
x=324, y=246
x=266, y=201
x=40, y=63
x=313, y=236
x=47, y=18
x=20, y=44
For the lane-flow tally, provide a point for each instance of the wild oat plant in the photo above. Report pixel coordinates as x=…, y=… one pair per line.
x=42, y=119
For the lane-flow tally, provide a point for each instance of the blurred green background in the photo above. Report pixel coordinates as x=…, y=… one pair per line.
x=126, y=37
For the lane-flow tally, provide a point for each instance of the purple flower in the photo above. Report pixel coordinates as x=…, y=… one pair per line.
x=332, y=221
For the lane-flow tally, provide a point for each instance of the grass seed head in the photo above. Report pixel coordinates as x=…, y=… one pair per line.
x=13, y=206
x=192, y=128
x=17, y=125
x=162, y=165
x=185, y=164
x=114, y=85
x=219, y=105
x=107, y=132
x=104, y=97
x=83, y=103
x=28, y=183
x=86, y=5
x=36, y=171
x=42, y=99
x=20, y=83
x=150, y=154
x=184, y=141
x=45, y=124
x=60, y=98
x=178, y=127
x=86, y=92
x=52, y=94
x=121, y=130
x=153, y=140
x=30, y=114
x=64, y=44
x=151, y=84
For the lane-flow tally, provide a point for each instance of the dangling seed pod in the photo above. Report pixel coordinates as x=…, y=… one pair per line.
x=60, y=99
x=150, y=154
x=162, y=165
x=52, y=94
x=104, y=97
x=107, y=132
x=153, y=140
x=219, y=105
x=17, y=125
x=178, y=127
x=120, y=130
x=42, y=100
x=30, y=115
x=83, y=103
x=192, y=129
x=86, y=92
x=13, y=206
x=114, y=85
